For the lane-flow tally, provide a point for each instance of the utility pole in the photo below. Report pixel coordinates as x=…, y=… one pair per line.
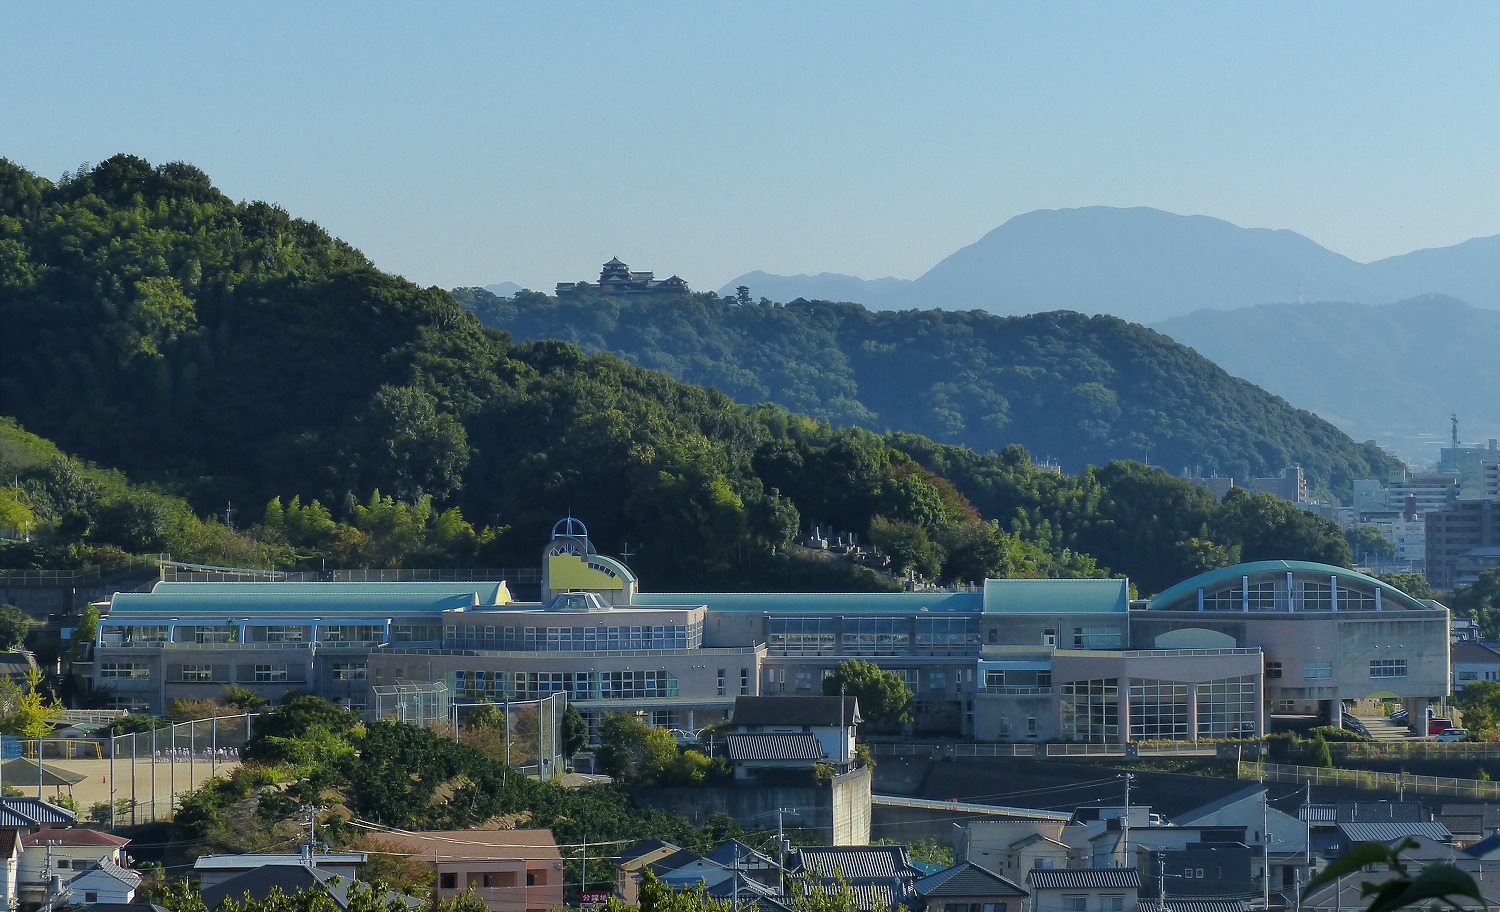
x=1161, y=876
x=1265, y=848
x=1125, y=827
x=583, y=876
x=781, y=847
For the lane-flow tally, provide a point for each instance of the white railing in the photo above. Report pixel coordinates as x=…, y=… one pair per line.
x=1366, y=779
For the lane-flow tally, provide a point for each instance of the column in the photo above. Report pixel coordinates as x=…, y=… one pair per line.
x=1192, y=711
x=1122, y=713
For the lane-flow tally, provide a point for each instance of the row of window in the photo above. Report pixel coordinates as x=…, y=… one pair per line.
x=877, y=636
x=1273, y=595
x=578, y=685
x=598, y=638
x=1323, y=671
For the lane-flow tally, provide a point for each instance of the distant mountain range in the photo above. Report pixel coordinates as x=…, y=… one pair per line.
x=1146, y=265
x=1387, y=373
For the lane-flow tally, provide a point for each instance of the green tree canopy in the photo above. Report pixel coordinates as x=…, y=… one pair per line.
x=884, y=698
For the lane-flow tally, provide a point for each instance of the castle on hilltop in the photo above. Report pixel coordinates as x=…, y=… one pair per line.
x=617, y=280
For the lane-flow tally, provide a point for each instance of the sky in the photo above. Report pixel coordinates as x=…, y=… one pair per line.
x=471, y=143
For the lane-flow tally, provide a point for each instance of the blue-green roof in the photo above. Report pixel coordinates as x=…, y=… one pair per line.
x=1213, y=579
x=311, y=599
x=1056, y=596
x=817, y=602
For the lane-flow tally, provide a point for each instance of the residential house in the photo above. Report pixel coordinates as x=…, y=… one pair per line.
x=10, y=858
x=830, y=720
x=1035, y=853
x=635, y=860
x=1084, y=890
x=508, y=870
x=291, y=879
x=875, y=875
x=212, y=870
x=1473, y=661
x=1352, y=834
x=778, y=755
x=105, y=882
x=1273, y=835
x=64, y=852
x=968, y=887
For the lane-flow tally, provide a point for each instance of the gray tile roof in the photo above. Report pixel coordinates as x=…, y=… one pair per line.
x=1085, y=879
x=1194, y=905
x=1388, y=831
x=854, y=863
x=1362, y=812
x=774, y=746
x=968, y=879
x=21, y=813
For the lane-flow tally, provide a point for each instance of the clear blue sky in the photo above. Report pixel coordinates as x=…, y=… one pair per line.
x=469, y=143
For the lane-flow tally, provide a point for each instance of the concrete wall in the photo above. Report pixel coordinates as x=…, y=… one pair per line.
x=839, y=813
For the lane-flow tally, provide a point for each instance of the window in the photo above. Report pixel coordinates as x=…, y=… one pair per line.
x=1273, y=670
x=124, y=669
x=722, y=687
x=91, y=896
x=200, y=673
x=531, y=878
x=1049, y=636
x=488, y=880
x=1317, y=671
x=1388, y=668
x=270, y=673
x=1075, y=903
x=937, y=680
x=448, y=881
x=744, y=682
x=1112, y=903
x=349, y=671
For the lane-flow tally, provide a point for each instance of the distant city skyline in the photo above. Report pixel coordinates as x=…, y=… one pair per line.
x=468, y=144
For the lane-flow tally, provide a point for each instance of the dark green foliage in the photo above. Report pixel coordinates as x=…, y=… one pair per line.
x=1439, y=882
x=13, y=627
x=231, y=353
x=1318, y=754
x=1087, y=390
x=1481, y=601
x=884, y=699
x=1413, y=584
x=575, y=731
x=1480, y=702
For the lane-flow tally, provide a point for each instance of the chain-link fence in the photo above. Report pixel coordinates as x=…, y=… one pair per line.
x=130, y=778
x=526, y=734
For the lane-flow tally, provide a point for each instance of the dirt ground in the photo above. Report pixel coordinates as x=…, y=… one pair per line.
x=154, y=786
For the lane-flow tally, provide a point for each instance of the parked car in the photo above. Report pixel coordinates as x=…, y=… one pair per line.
x=1400, y=716
x=1438, y=726
x=1453, y=734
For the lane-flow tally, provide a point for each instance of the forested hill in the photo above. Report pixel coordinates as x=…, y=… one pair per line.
x=231, y=353
x=1081, y=390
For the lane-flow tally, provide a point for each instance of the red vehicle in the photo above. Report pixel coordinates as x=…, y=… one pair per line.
x=1437, y=726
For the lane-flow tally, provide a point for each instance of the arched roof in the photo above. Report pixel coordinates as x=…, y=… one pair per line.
x=1213, y=579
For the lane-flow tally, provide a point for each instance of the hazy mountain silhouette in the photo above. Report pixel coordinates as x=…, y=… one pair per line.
x=1377, y=372
x=502, y=289
x=1147, y=265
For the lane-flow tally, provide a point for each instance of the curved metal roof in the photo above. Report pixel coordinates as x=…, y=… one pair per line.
x=1214, y=578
